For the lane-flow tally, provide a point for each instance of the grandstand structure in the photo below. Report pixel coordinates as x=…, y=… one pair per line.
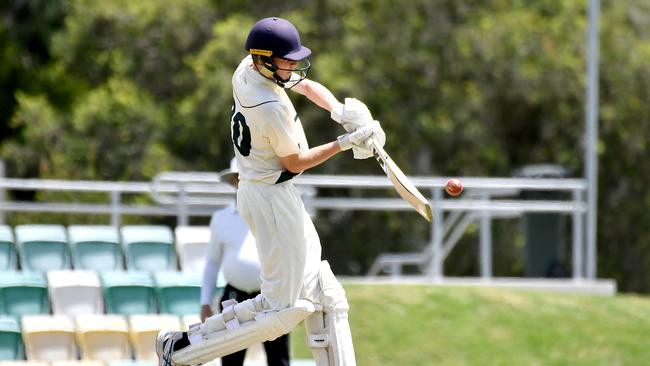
x=484, y=200
x=97, y=294
x=187, y=194
x=65, y=294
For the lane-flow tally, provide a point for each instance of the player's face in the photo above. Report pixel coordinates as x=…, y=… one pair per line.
x=285, y=67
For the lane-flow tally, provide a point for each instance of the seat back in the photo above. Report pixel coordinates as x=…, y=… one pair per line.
x=128, y=293
x=7, y=249
x=11, y=342
x=143, y=330
x=42, y=247
x=23, y=294
x=148, y=248
x=191, y=245
x=103, y=337
x=75, y=292
x=95, y=247
x=179, y=293
x=49, y=338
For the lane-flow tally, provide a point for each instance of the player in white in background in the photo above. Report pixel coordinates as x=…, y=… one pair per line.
x=232, y=249
x=271, y=148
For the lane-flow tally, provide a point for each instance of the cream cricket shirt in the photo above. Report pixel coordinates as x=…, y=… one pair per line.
x=264, y=126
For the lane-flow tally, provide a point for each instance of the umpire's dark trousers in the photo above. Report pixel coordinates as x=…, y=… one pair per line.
x=277, y=351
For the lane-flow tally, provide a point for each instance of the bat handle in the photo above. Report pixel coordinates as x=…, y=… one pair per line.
x=371, y=144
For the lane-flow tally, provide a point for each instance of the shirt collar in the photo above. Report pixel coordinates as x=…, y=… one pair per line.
x=252, y=72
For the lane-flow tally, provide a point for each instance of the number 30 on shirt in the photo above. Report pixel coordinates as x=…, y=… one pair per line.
x=240, y=133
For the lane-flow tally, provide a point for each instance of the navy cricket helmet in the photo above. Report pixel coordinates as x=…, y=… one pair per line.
x=277, y=37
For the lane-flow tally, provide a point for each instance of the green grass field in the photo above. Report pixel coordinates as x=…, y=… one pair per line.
x=432, y=325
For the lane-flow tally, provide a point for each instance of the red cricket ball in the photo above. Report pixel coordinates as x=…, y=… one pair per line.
x=454, y=187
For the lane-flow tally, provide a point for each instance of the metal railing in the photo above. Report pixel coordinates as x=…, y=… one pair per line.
x=189, y=194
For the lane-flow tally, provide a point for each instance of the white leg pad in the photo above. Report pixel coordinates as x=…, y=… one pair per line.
x=335, y=309
x=317, y=338
x=265, y=326
x=341, y=348
x=328, y=332
x=234, y=313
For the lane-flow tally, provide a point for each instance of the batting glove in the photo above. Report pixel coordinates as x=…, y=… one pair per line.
x=353, y=115
x=356, y=138
x=378, y=136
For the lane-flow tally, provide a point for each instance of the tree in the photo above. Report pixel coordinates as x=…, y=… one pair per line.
x=624, y=196
x=116, y=135
x=25, y=33
x=144, y=41
x=462, y=87
x=200, y=131
x=41, y=140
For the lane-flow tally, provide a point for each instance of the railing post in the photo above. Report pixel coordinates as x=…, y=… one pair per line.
x=437, y=259
x=486, y=240
x=578, y=229
x=182, y=206
x=591, y=134
x=396, y=269
x=115, y=208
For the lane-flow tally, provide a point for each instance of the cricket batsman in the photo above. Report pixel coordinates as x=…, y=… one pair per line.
x=271, y=149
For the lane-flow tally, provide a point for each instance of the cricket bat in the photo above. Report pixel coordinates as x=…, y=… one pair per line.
x=402, y=184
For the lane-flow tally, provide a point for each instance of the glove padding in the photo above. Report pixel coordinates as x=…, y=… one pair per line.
x=356, y=138
x=363, y=151
x=355, y=115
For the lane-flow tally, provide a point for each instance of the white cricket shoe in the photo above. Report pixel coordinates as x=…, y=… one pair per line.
x=165, y=341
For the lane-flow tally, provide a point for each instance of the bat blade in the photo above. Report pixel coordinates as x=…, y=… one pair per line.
x=402, y=184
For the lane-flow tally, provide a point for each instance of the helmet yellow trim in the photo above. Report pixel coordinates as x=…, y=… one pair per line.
x=255, y=51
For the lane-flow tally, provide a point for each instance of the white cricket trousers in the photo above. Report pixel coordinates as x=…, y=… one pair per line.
x=287, y=243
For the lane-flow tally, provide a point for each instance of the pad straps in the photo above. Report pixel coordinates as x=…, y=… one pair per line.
x=228, y=314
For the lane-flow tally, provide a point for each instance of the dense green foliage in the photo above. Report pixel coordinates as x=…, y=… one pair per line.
x=429, y=325
x=121, y=90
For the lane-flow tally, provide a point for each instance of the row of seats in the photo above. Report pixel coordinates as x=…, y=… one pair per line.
x=103, y=248
x=87, y=337
x=74, y=292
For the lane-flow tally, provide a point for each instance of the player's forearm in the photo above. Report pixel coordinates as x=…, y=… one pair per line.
x=210, y=275
x=297, y=163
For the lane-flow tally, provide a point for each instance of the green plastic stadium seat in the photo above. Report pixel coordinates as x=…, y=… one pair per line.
x=11, y=342
x=148, y=248
x=42, y=247
x=7, y=249
x=179, y=293
x=95, y=247
x=23, y=294
x=128, y=293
